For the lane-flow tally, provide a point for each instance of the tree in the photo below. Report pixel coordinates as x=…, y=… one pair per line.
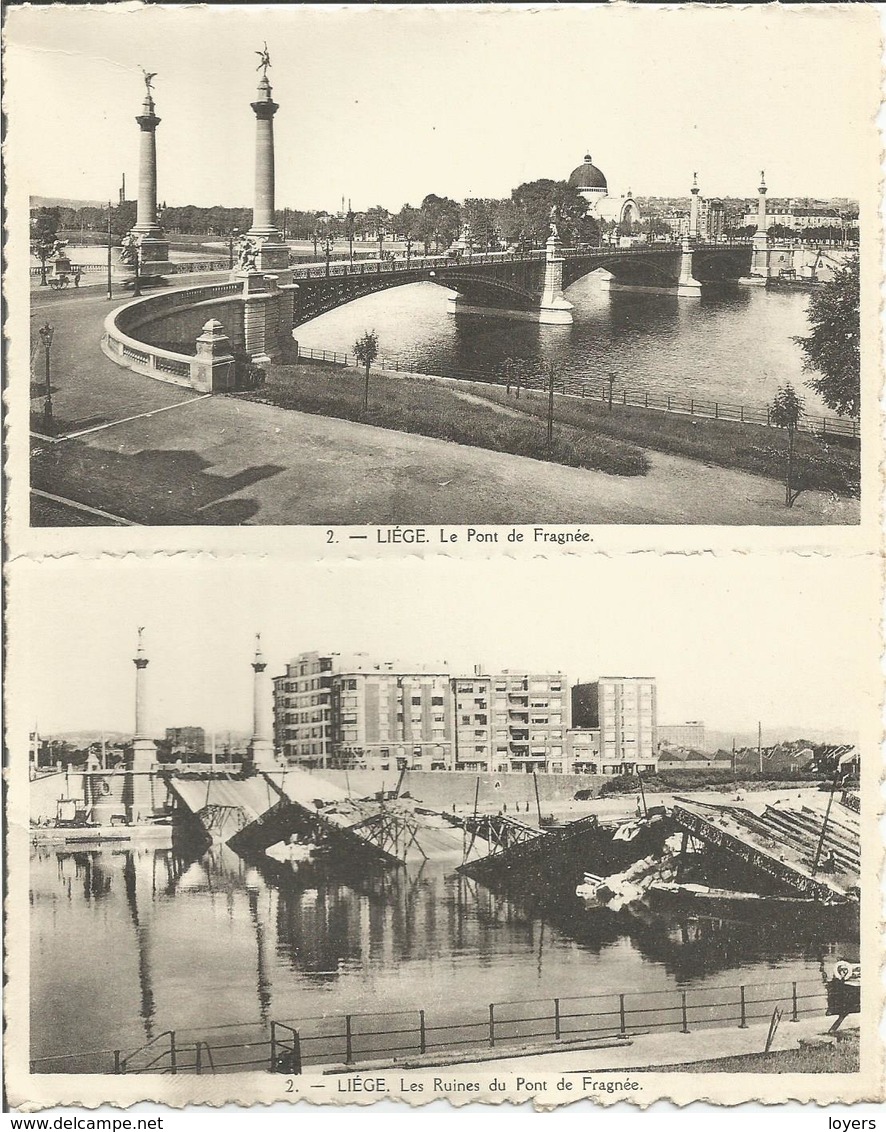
x=44, y=234
x=833, y=347
x=366, y=351
x=407, y=225
x=440, y=220
x=123, y=218
x=534, y=200
x=785, y=412
x=377, y=220
x=478, y=216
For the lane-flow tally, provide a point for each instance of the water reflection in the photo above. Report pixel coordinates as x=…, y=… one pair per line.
x=129, y=942
x=734, y=345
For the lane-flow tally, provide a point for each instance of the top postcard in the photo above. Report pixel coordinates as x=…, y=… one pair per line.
x=444, y=265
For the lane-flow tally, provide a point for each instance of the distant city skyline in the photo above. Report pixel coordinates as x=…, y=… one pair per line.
x=758, y=638
x=383, y=106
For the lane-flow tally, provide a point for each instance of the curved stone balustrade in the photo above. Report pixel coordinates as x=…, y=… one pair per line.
x=211, y=365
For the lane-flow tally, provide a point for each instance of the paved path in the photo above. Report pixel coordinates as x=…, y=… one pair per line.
x=226, y=460
x=654, y=1050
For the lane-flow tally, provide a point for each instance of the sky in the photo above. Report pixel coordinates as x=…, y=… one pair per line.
x=384, y=105
x=732, y=638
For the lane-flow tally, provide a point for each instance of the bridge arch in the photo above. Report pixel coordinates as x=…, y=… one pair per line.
x=314, y=297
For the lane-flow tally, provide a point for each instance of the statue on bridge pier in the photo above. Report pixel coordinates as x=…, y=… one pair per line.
x=247, y=254
x=555, y=216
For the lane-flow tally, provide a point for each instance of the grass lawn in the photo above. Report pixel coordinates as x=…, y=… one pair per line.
x=819, y=465
x=435, y=409
x=841, y=1057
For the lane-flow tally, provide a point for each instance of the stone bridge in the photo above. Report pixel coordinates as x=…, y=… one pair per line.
x=525, y=286
x=190, y=336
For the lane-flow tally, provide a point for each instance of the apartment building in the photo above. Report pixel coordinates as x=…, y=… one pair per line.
x=303, y=709
x=530, y=717
x=472, y=713
x=624, y=710
x=332, y=710
x=345, y=710
x=389, y=720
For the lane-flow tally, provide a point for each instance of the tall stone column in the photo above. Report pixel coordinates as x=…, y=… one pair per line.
x=694, y=209
x=261, y=746
x=271, y=254
x=146, y=219
x=761, y=205
x=554, y=307
x=144, y=750
x=153, y=249
x=759, y=273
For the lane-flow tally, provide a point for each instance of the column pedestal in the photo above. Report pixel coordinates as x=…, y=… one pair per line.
x=688, y=287
x=759, y=275
x=267, y=317
x=554, y=308
x=141, y=789
x=260, y=753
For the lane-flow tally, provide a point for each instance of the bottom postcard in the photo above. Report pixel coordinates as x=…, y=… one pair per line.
x=597, y=829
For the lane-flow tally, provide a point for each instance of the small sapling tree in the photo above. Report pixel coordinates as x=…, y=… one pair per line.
x=785, y=412
x=366, y=351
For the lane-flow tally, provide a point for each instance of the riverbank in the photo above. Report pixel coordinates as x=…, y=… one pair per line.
x=587, y=434
x=819, y=465
x=413, y=404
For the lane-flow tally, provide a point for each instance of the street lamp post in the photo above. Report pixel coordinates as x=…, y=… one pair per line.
x=350, y=220
x=46, y=332
x=110, y=285
x=232, y=239
x=328, y=250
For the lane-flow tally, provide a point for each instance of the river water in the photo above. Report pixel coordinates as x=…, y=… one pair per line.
x=127, y=943
x=734, y=345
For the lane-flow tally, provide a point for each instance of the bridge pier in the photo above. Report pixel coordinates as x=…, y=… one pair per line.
x=267, y=316
x=760, y=263
x=688, y=287
x=555, y=309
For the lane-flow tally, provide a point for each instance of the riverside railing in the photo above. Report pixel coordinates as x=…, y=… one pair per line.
x=529, y=382
x=352, y=1039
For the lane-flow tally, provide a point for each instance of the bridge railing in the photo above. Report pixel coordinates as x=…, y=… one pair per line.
x=596, y=390
x=352, y=1039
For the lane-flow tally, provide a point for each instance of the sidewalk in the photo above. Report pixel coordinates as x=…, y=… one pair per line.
x=643, y=1052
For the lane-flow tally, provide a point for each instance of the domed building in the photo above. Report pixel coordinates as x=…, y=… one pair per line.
x=592, y=185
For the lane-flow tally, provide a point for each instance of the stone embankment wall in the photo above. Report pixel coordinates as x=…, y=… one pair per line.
x=440, y=791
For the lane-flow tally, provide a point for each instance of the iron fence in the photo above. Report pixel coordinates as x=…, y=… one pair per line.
x=530, y=381
x=291, y=1045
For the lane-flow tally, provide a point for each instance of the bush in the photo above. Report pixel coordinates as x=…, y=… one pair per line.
x=247, y=375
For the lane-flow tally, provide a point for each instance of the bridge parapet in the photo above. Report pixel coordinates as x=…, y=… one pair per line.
x=138, y=334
